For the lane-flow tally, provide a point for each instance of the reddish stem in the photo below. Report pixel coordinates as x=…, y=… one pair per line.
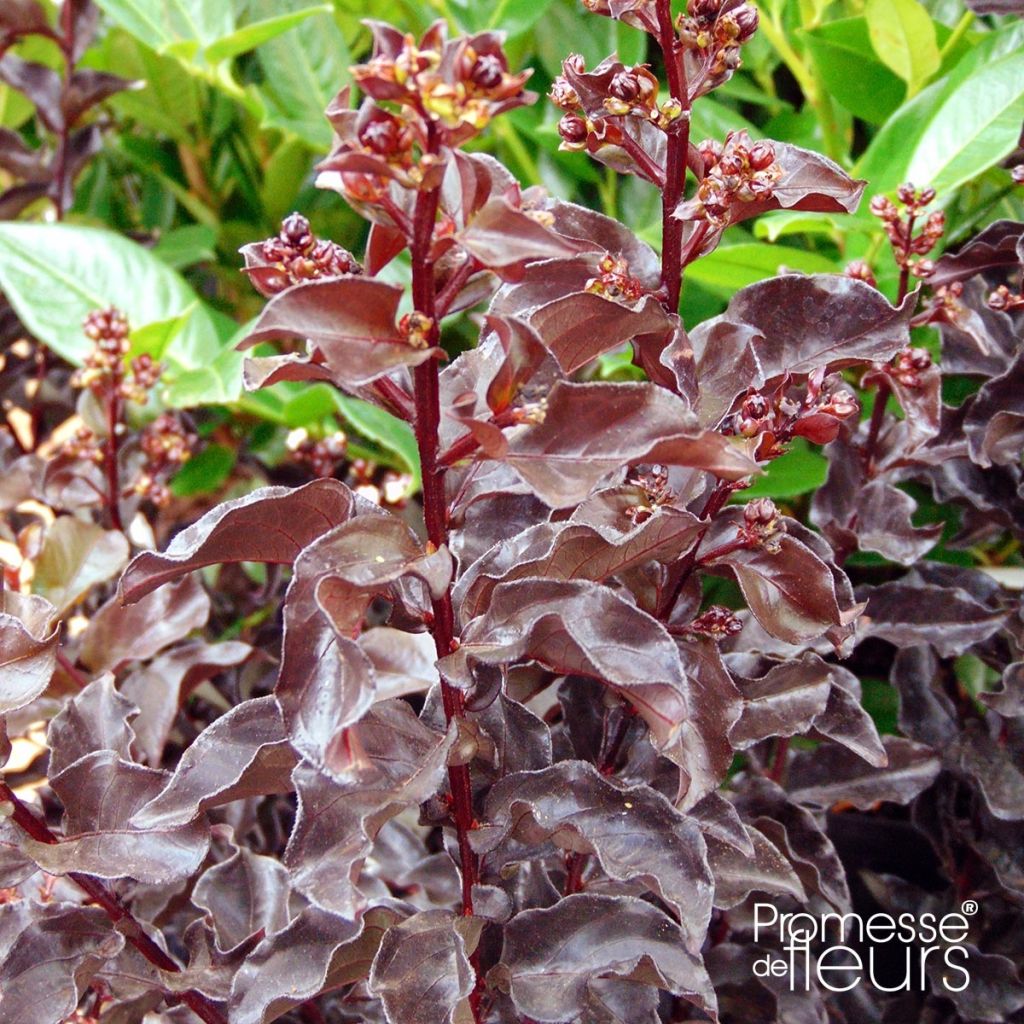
x=114, y=408
x=119, y=915
x=450, y=292
x=428, y=420
x=397, y=397
x=651, y=170
x=676, y=155
x=60, y=163
x=65, y=663
x=778, y=766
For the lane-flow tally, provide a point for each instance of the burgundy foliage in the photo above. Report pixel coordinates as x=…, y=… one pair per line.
x=522, y=753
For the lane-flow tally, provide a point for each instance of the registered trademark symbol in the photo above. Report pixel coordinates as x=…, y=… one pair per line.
x=970, y=907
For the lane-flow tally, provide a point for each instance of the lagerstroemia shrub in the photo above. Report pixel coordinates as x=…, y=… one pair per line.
x=539, y=752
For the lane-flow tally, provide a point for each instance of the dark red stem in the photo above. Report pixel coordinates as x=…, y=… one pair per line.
x=428, y=420
x=675, y=160
x=114, y=410
x=65, y=663
x=119, y=914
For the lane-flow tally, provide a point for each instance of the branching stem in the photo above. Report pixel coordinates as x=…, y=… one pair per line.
x=119, y=915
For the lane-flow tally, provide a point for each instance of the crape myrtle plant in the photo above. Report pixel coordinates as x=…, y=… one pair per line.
x=531, y=748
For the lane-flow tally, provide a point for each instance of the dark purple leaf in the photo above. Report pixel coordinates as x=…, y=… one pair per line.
x=272, y=524
x=795, y=833
x=582, y=628
x=28, y=648
x=94, y=719
x=796, y=324
x=244, y=895
x=552, y=958
x=994, y=992
x=422, y=971
x=737, y=874
x=88, y=87
x=350, y=321
x=993, y=248
x=994, y=425
x=318, y=952
x=593, y=430
x=400, y=762
x=101, y=793
x=22, y=17
x=504, y=239
x=831, y=775
x=635, y=833
x=791, y=592
x=160, y=688
x=569, y=551
x=244, y=753
x=912, y=612
x=40, y=84
x=50, y=965
x=326, y=681
x=120, y=632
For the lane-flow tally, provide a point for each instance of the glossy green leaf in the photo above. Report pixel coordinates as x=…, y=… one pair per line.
x=956, y=128
x=303, y=71
x=185, y=246
x=154, y=339
x=248, y=37
x=53, y=274
x=732, y=267
x=205, y=472
x=903, y=36
x=850, y=71
x=391, y=433
x=801, y=470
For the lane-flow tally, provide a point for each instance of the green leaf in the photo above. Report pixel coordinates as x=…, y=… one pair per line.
x=713, y=120
x=850, y=71
x=303, y=71
x=956, y=128
x=185, y=246
x=155, y=338
x=903, y=36
x=801, y=470
x=161, y=24
x=514, y=16
x=54, y=274
x=168, y=103
x=257, y=33
x=205, y=472
x=730, y=268
x=388, y=431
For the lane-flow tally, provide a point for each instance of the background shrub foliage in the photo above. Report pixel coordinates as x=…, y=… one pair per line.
x=446, y=618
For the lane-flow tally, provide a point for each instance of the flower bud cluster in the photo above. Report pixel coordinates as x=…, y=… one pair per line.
x=763, y=525
x=777, y=419
x=322, y=455
x=614, y=281
x=858, y=270
x=596, y=102
x=908, y=365
x=383, y=487
x=295, y=254
x=910, y=248
x=716, y=622
x=417, y=329
x=167, y=445
x=461, y=84
x=712, y=33
x=1004, y=300
x=737, y=172
x=653, y=482
x=104, y=372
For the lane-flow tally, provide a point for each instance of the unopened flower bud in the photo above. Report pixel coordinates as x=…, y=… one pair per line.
x=746, y=17
x=762, y=156
x=717, y=622
x=573, y=130
x=487, y=72
x=563, y=94
x=625, y=85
